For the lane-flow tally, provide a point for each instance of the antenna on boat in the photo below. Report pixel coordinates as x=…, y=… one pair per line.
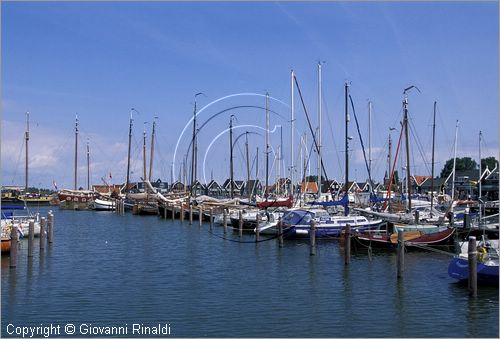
x=405, y=126
x=27, y=137
x=76, y=152
x=194, y=151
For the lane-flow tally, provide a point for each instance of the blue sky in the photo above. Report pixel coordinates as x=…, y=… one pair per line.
x=101, y=59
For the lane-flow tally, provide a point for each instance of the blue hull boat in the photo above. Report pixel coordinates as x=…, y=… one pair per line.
x=487, y=273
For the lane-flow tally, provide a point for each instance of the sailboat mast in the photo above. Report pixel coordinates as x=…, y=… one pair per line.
x=390, y=172
x=152, y=150
x=479, y=180
x=405, y=126
x=27, y=138
x=231, y=156
x=144, y=155
x=76, y=152
x=370, y=138
x=480, y=165
x=128, y=154
x=346, y=90
x=281, y=155
x=88, y=166
x=432, y=162
x=248, y=166
x=319, y=131
x=257, y=164
x=454, y=164
x=267, y=146
x=292, y=126
x=193, y=151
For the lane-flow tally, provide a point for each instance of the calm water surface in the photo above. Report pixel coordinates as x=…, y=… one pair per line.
x=110, y=270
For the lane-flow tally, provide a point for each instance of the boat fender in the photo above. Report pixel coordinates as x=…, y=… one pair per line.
x=481, y=253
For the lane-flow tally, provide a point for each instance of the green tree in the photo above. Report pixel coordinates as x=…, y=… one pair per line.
x=491, y=162
x=462, y=164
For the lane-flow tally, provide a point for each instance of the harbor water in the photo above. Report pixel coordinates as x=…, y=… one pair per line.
x=106, y=270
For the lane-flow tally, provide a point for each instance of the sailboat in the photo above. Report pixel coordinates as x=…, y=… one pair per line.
x=148, y=205
x=487, y=264
x=75, y=199
x=327, y=225
x=28, y=197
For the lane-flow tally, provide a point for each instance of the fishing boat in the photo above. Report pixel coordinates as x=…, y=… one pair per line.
x=10, y=218
x=416, y=237
x=288, y=202
x=487, y=263
x=102, y=205
x=6, y=244
x=6, y=241
x=75, y=199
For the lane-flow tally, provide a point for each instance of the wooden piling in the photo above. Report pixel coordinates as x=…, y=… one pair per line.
x=257, y=229
x=466, y=220
x=417, y=217
x=347, y=246
x=211, y=218
x=200, y=219
x=240, y=224
x=190, y=214
x=43, y=222
x=224, y=220
x=472, y=263
x=173, y=211
x=13, y=246
x=50, y=228
x=165, y=211
x=401, y=253
x=280, y=232
x=312, y=238
x=31, y=238
x=182, y=213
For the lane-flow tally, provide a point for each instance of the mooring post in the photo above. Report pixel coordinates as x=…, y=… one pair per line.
x=312, y=238
x=280, y=232
x=13, y=246
x=347, y=247
x=211, y=218
x=182, y=212
x=466, y=220
x=31, y=238
x=50, y=228
x=257, y=229
x=472, y=262
x=165, y=211
x=240, y=224
x=224, y=217
x=190, y=214
x=173, y=211
x=200, y=218
x=43, y=222
x=417, y=217
x=224, y=220
x=401, y=253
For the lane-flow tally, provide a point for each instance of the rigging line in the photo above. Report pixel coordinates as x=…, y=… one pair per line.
x=330, y=125
x=307, y=163
x=315, y=143
x=18, y=160
x=419, y=145
x=362, y=145
x=443, y=128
